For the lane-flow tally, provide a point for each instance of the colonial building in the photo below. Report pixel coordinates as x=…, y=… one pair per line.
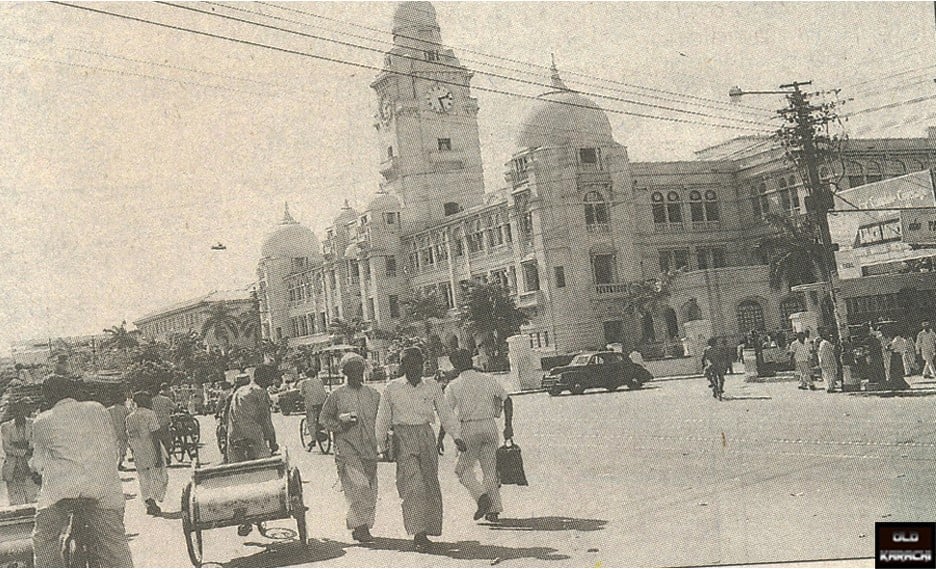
x=574, y=222
x=191, y=315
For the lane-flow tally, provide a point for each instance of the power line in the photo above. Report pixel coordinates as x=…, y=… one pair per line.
x=730, y=106
x=890, y=106
x=378, y=69
x=459, y=68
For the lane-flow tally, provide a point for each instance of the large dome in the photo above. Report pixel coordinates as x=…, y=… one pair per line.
x=563, y=117
x=291, y=239
x=383, y=201
x=345, y=216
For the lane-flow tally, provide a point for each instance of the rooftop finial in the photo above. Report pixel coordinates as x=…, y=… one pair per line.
x=555, y=79
x=287, y=218
x=346, y=204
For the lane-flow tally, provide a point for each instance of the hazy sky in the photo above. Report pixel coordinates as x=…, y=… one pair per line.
x=128, y=149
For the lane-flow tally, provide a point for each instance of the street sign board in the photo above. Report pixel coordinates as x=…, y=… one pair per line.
x=918, y=226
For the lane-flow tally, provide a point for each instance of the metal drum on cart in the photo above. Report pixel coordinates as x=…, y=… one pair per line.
x=248, y=492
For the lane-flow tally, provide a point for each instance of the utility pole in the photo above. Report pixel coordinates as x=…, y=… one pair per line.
x=799, y=138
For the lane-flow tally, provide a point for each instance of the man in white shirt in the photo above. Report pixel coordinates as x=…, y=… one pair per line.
x=75, y=452
x=801, y=352
x=926, y=347
x=409, y=404
x=313, y=397
x=477, y=399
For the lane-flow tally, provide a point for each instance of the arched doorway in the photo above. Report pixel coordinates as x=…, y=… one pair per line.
x=750, y=316
x=672, y=324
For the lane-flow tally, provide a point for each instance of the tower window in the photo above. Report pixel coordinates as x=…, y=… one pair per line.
x=391, y=267
x=530, y=276
x=389, y=152
x=560, y=276
x=445, y=143
x=394, y=302
x=431, y=55
x=451, y=208
x=604, y=269
x=588, y=155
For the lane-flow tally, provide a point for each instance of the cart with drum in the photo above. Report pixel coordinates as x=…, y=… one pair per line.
x=247, y=492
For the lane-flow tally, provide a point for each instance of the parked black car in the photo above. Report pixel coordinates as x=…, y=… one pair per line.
x=609, y=370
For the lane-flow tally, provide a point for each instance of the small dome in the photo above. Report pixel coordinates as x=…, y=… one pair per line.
x=290, y=239
x=383, y=201
x=346, y=216
x=410, y=17
x=564, y=117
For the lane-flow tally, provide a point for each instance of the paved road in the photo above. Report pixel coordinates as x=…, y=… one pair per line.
x=665, y=476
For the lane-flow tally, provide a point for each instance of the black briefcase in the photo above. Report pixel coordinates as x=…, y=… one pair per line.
x=510, y=464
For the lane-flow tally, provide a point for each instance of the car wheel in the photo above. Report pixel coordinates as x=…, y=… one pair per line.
x=578, y=388
x=634, y=384
x=554, y=392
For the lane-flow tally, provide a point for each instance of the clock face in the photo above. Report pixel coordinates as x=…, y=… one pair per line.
x=440, y=99
x=386, y=111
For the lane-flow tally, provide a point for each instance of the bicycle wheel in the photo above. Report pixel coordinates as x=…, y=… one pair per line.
x=324, y=439
x=298, y=505
x=304, y=435
x=193, y=537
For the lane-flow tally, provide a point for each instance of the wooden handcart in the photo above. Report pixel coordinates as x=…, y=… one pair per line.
x=248, y=492
x=186, y=434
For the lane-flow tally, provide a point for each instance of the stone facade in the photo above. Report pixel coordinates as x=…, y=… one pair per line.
x=575, y=221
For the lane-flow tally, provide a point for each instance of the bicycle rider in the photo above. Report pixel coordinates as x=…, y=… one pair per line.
x=714, y=366
x=75, y=453
x=313, y=397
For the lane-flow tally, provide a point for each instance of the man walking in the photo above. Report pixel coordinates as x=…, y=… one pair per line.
x=409, y=404
x=350, y=411
x=828, y=363
x=164, y=407
x=477, y=399
x=75, y=452
x=313, y=397
x=118, y=413
x=926, y=347
x=801, y=353
x=250, y=427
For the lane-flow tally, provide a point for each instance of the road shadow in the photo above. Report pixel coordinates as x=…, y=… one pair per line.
x=602, y=391
x=470, y=550
x=170, y=515
x=901, y=393
x=549, y=523
x=283, y=554
x=727, y=397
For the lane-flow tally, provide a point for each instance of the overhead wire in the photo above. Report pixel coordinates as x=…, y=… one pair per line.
x=709, y=102
x=379, y=69
x=459, y=68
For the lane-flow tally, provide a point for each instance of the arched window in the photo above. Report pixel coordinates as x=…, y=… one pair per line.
x=764, y=200
x=712, y=211
x=691, y=311
x=672, y=326
x=788, y=306
x=696, y=209
x=450, y=208
x=647, y=330
x=659, y=208
x=673, y=207
x=855, y=174
x=755, y=202
x=794, y=193
x=874, y=173
x=596, y=210
x=750, y=316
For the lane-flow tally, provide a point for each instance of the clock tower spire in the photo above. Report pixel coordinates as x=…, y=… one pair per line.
x=430, y=154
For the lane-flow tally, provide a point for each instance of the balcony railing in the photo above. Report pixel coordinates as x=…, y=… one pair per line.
x=706, y=225
x=669, y=227
x=611, y=288
x=598, y=228
x=529, y=298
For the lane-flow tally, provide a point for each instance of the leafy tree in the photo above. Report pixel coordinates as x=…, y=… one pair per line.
x=274, y=352
x=420, y=307
x=249, y=321
x=489, y=312
x=793, y=250
x=647, y=296
x=221, y=322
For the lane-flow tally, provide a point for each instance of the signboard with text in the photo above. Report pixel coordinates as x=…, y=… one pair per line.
x=880, y=236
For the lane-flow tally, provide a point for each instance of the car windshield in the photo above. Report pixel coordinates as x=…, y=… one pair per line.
x=580, y=360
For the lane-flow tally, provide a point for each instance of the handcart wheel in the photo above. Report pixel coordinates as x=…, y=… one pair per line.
x=324, y=439
x=304, y=434
x=221, y=436
x=193, y=537
x=193, y=454
x=298, y=505
x=195, y=429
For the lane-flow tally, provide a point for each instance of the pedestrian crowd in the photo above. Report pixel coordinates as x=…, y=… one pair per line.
x=71, y=454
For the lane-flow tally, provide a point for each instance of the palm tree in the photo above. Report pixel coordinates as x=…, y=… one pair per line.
x=490, y=313
x=249, y=324
x=345, y=329
x=421, y=306
x=119, y=338
x=646, y=296
x=793, y=250
x=222, y=322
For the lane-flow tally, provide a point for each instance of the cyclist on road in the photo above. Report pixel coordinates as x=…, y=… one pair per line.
x=313, y=397
x=713, y=365
x=75, y=453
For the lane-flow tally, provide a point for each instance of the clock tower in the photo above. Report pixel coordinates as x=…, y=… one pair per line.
x=430, y=154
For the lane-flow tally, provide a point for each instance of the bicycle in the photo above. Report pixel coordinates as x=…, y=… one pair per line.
x=323, y=437
x=76, y=551
x=717, y=383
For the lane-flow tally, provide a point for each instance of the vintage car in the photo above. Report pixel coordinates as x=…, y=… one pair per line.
x=609, y=370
